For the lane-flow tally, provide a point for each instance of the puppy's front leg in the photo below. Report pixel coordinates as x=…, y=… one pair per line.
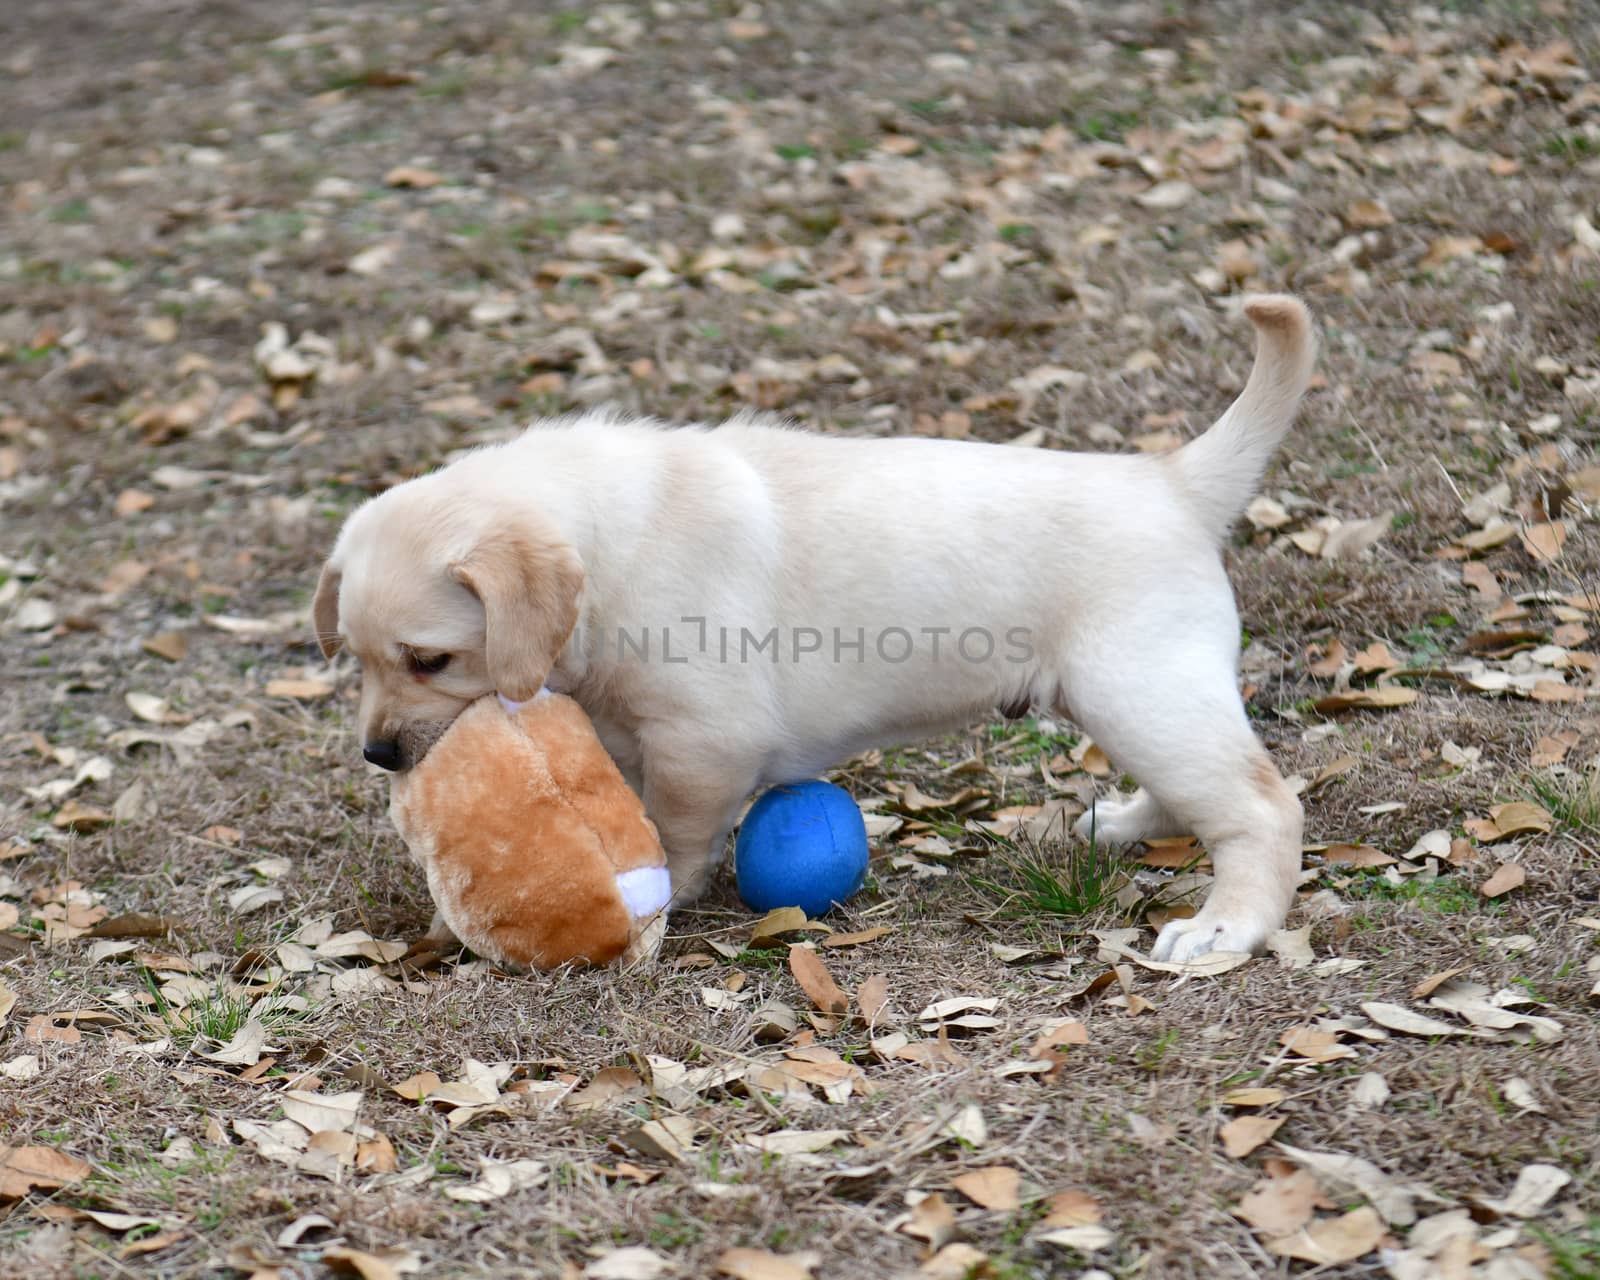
x=693, y=790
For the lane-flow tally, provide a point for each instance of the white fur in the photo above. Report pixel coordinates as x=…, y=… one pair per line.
x=1110, y=565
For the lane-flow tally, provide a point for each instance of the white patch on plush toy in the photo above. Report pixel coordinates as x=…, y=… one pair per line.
x=645, y=890
x=513, y=707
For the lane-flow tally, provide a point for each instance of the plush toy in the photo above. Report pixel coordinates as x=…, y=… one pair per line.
x=801, y=845
x=535, y=849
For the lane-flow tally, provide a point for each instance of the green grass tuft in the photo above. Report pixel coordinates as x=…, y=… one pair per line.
x=1573, y=1257
x=1573, y=801
x=1044, y=886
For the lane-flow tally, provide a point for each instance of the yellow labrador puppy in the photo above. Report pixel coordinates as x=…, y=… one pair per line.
x=750, y=604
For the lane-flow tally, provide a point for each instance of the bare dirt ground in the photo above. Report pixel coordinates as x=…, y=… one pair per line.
x=261, y=260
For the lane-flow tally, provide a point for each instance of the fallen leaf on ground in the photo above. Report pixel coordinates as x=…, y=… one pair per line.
x=299, y=690
x=991, y=1188
x=758, y=1264
x=769, y=930
x=1329, y=1240
x=1544, y=541
x=1253, y=1097
x=1397, y=1017
x=499, y=1178
x=1279, y=1206
x=1520, y=817
x=1085, y=1239
x=319, y=1112
x=1508, y=876
x=956, y=1261
x=23, y=1169
x=1243, y=1134
x=386, y=1264
x=1072, y=1208
x=816, y=981
x=788, y=1142
x=872, y=996
x=244, y=1048
x=1371, y=1091
x=1339, y=1172
x=1434, y=981
x=632, y=1263
x=1380, y=698
x=857, y=939
x=1537, y=1185
x=932, y=1221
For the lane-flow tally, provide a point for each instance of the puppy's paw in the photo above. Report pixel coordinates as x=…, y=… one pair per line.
x=1184, y=940
x=1110, y=820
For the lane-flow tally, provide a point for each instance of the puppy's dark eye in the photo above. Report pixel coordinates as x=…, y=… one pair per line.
x=430, y=666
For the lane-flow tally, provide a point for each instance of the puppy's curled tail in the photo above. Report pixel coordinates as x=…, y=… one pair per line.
x=1220, y=471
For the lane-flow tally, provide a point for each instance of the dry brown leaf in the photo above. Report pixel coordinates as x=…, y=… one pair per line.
x=609, y=1085
x=1166, y=196
x=151, y=1244
x=1521, y=817
x=377, y=1156
x=932, y=1220
x=169, y=646
x=1551, y=750
x=1376, y=657
x=1326, y=667
x=816, y=981
x=1380, y=698
x=769, y=930
x=1253, y=1097
x=1356, y=856
x=858, y=938
x=1243, y=1134
x=758, y=1264
x=1544, y=541
x=412, y=176
x=299, y=690
x=1480, y=578
x=1447, y=248
x=1328, y=1240
x=23, y=1169
x=79, y=817
x=1317, y=1045
x=871, y=997
x=42, y=1028
x=1434, y=981
x=130, y=502
x=993, y=1188
x=1279, y=1206
x=1508, y=876
x=956, y=1261
x=1396, y=1017
x=387, y=1264
x=1330, y=771
x=419, y=1086
x=1368, y=215
x=1072, y=1208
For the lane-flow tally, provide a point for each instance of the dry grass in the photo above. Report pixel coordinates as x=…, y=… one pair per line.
x=163, y=165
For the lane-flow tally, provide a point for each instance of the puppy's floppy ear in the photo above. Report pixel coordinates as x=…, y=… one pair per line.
x=529, y=585
x=325, y=610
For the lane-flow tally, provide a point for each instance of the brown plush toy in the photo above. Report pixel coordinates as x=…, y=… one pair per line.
x=536, y=850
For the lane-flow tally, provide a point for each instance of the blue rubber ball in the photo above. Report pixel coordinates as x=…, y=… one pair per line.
x=801, y=845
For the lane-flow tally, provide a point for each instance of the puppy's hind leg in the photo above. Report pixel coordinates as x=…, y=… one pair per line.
x=1169, y=713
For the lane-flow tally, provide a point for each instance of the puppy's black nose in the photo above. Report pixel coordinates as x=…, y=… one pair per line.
x=385, y=754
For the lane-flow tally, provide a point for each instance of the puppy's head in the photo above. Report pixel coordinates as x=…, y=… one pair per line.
x=441, y=606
